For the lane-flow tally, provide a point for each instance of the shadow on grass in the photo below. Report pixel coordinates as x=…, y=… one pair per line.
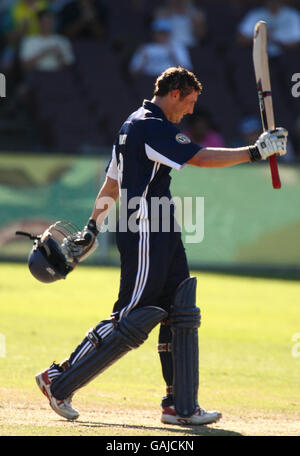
x=191, y=430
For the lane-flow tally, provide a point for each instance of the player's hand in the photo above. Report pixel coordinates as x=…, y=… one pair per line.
x=83, y=243
x=88, y=235
x=272, y=142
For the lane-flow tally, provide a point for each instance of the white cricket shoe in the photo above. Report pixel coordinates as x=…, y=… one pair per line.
x=200, y=416
x=61, y=407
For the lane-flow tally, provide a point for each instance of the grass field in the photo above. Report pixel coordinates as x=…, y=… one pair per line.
x=247, y=370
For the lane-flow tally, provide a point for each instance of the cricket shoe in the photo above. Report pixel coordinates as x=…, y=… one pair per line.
x=200, y=416
x=62, y=407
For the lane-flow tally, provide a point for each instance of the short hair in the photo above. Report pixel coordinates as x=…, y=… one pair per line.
x=177, y=78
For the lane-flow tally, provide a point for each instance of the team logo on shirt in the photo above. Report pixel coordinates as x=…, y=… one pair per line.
x=182, y=139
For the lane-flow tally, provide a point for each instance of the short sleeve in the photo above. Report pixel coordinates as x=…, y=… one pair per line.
x=29, y=48
x=165, y=144
x=67, y=50
x=138, y=59
x=112, y=168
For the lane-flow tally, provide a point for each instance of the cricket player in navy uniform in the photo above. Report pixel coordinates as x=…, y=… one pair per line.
x=155, y=287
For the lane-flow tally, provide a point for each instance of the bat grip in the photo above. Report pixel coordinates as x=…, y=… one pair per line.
x=274, y=172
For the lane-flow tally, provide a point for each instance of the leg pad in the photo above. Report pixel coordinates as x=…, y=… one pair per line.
x=132, y=330
x=185, y=320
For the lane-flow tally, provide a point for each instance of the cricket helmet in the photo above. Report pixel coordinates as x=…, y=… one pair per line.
x=49, y=260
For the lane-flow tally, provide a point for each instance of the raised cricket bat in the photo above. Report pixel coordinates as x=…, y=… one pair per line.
x=262, y=75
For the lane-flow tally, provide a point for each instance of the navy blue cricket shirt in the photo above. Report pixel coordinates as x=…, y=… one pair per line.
x=147, y=147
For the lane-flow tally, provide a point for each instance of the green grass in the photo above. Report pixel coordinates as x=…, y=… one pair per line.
x=245, y=343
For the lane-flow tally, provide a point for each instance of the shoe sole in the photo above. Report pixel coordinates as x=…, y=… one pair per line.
x=185, y=421
x=43, y=389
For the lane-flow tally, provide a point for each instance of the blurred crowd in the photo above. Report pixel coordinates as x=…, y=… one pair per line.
x=76, y=68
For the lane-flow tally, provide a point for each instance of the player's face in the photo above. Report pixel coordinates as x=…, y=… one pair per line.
x=183, y=106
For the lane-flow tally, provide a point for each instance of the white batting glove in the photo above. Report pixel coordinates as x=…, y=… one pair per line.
x=270, y=143
x=83, y=243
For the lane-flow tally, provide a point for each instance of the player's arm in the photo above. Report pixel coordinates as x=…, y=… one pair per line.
x=213, y=157
x=84, y=242
x=106, y=198
x=269, y=143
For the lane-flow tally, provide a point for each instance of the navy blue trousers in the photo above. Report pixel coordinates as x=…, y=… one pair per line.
x=153, y=264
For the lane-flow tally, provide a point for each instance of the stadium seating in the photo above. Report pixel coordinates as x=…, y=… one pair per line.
x=84, y=107
x=107, y=93
x=62, y=113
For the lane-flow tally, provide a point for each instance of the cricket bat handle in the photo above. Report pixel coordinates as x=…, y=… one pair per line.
x=274, y=172
x=269, y=124
x=267, y=115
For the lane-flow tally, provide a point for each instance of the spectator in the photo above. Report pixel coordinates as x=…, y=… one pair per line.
x=22, y=18
x=19, y=21
x=84, y=19
x=188, y=23
x=200, y=129
x=283, y=25
x=152, y=58
x=46, y=51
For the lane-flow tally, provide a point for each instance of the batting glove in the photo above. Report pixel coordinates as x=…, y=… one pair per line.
x=269, y=143
x=88, y=235
x=83, y=243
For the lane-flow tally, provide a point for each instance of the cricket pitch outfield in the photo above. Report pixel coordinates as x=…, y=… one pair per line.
x=248, y=346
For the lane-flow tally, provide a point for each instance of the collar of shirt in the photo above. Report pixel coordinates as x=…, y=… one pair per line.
x=154, y=108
